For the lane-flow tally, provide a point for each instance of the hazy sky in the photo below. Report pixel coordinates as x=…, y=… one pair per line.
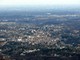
x=7, y=3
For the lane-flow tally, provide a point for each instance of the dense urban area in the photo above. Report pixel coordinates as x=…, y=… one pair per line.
x=40, y=36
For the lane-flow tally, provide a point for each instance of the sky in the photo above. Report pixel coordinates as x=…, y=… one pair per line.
x=7, y=3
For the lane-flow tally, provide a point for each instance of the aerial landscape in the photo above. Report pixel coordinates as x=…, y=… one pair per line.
x=39, y=32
